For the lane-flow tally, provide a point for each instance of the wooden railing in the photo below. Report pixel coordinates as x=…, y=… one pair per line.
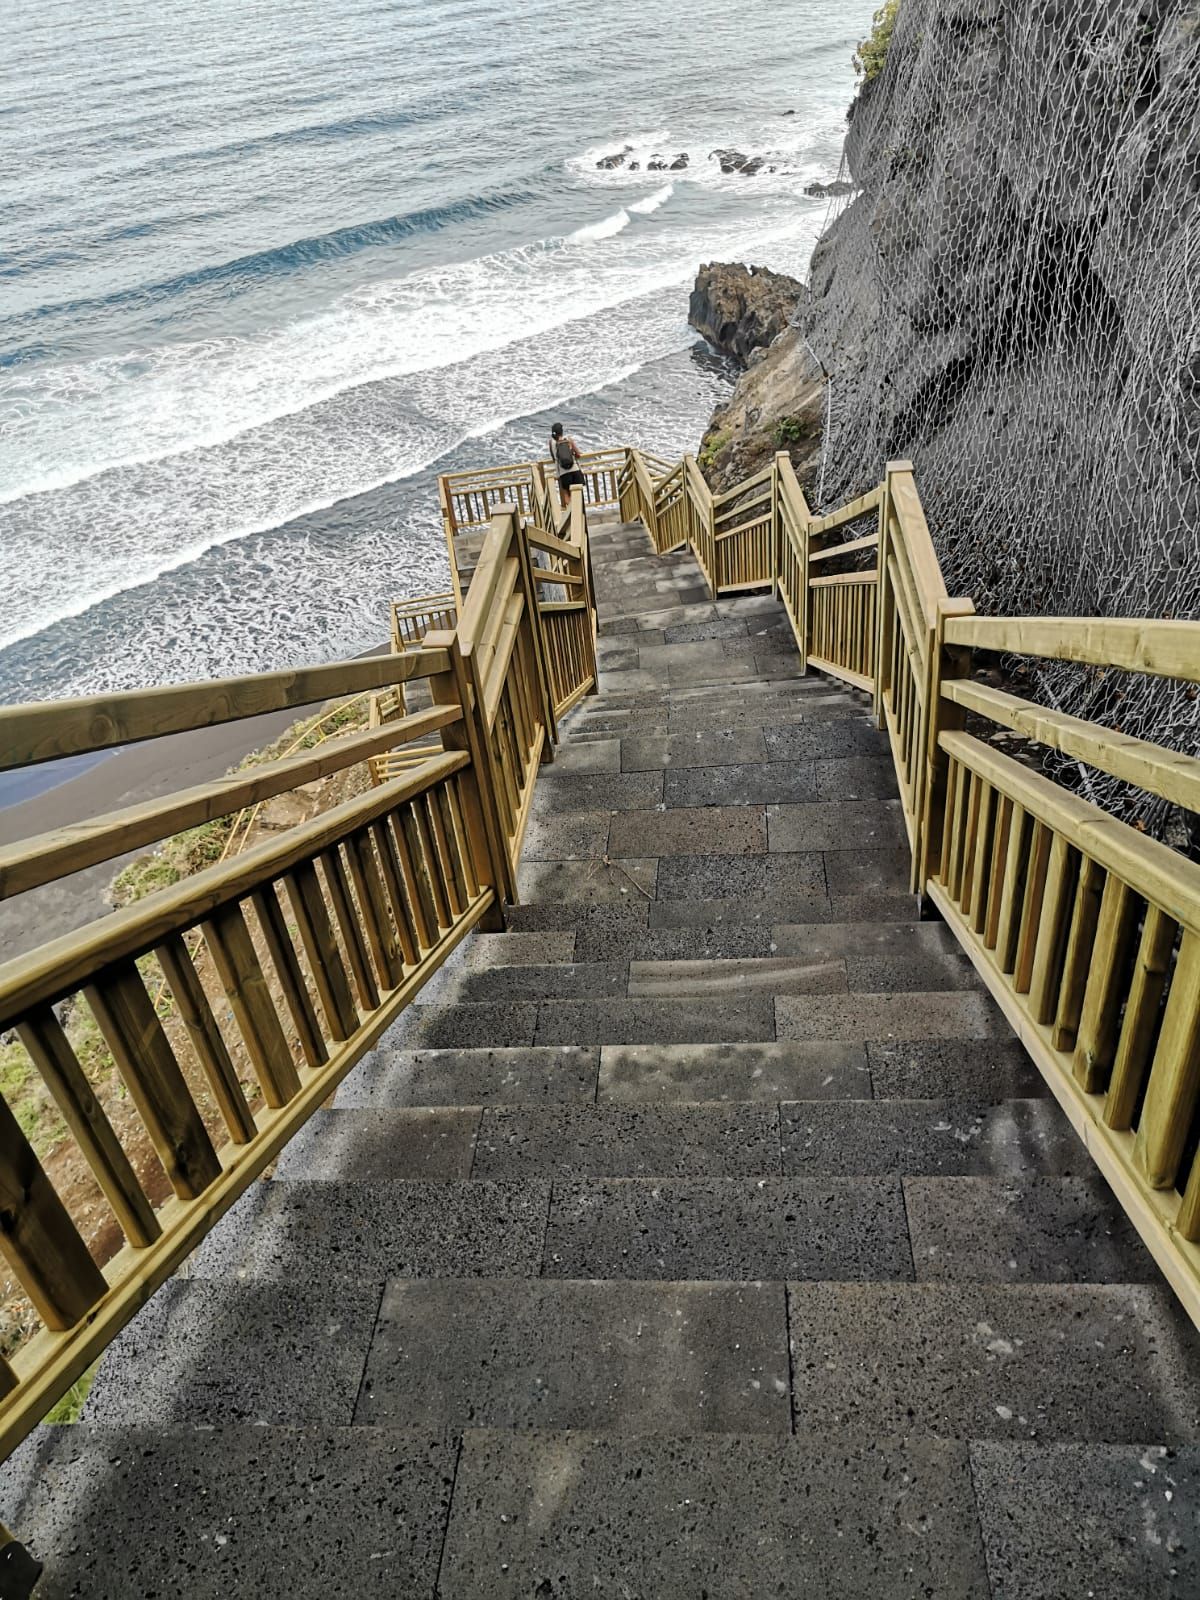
x=284, y=964
x=412, y=619
x=1086, y=932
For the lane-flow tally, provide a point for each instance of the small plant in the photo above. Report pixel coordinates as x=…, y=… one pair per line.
x=871, y=55
x=69, y=1407
x=711, y=449
x=787, y=432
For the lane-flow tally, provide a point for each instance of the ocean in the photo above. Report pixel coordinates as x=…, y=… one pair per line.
x=266, y=269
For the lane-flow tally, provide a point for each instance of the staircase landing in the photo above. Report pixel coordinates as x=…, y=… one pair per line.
x=707, y=1234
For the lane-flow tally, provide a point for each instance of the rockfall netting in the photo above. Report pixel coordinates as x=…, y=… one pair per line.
x=1012, y=299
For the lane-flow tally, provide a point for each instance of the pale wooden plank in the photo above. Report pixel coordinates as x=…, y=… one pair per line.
x=1141, y=1018
x=1096, y=1041
x=287, y=969
x=245, y=985
x=1174, y=1084
x=191, y=1003
x=1141, y=644
x=324, y=957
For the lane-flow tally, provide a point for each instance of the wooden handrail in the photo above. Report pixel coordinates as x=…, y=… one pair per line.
x=45, y=731
x=1135, y=644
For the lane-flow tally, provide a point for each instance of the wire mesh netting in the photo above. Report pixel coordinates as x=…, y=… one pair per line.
x=1010, y=298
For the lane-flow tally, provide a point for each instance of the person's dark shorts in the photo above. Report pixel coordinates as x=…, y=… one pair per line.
x=570, y=479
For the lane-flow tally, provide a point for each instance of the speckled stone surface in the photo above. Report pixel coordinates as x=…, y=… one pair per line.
x=760, y=784
x=625, y=919
x=647, y=1021
x=771, y=1072
x=690, y=831
x=564, y=792
x=554, y=980
x=369, y=1232
x=559, y=838
x=629, y=1357
x=904, y=1016
x=431, y=1027
x=989, y=1069
x=761, y=910
x=924, y=1137
x=212, y=1353
x=717, y=747
x=206, y=1514
x=725, y=1141
x=1023, y=1230
x=513, y=949
x=378, y=1143
x=851, y=735
x=575, y=756
x=1109, y=1522
x=592, y=882
x=1003, y=1361
x=869, y=941
x=720, y=877
x=724, y=942
x=867, y=871
x=835, y=825
x=855, y=778
x=728, y=1229
x=519, y=1076
x=568, y=1515
x=769, y=975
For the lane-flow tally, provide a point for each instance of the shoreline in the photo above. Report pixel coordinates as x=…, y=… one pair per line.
x=111, y=781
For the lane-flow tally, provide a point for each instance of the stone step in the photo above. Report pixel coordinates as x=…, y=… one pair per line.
x=1088, y=1362
x=525, y=1075
x=470, y=1516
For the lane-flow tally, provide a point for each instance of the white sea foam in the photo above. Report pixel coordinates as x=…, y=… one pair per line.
x=500, y=337
x=652, y=202
x=604, y=229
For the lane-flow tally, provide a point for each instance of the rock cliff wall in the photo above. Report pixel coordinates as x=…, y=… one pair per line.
x=1012, y=299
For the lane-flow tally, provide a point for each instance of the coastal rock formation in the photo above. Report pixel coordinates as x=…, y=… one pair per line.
x=839, y=186
x=734, y=161
x=745, y=312
x=739, y=309
x=617, y=159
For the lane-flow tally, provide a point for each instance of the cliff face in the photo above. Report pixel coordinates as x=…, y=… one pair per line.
x=1010, y=299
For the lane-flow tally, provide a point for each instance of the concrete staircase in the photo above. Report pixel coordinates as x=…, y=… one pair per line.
x=707, y=1234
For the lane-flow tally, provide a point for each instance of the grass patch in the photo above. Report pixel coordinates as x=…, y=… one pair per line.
x=871, y=56
x=789, y=431
x=176, y=858
x=69, y=1407
x=711, y=449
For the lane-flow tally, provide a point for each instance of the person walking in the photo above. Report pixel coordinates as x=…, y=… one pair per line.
x=564, y=452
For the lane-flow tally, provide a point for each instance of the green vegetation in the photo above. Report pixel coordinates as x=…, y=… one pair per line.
x=176, y=858
x=871, y=55
x=68, y=1408
x=711, y=449
x=788, y=431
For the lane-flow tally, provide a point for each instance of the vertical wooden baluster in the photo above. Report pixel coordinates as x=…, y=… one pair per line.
x=420, y=899
x=433, y=865
x=1078, y=958
x=1096, y=1041
x=444, y=836
x=965, y=862
x=458, y=816
x=1141, y=1018
x=1061, y=875
x=245, y=985
x=1031, y=911
x=1012, y=893
x=51, y=1054
x=1171, y=1093
x=981, y=871
x=372, y=904
x=291, y=979
x=393, y=877
x=955, y=779
x=338, y=886
x=998, y=870
x=42, y=1245
x=147, y=1064
x=324, y=957
x=191, y=1002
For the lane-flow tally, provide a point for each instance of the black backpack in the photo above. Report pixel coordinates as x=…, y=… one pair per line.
x=565, y=455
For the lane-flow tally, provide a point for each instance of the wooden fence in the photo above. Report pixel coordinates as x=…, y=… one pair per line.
x=286, y=963
x=1086, y=932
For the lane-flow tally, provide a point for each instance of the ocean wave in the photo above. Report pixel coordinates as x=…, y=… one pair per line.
x=652, y=202
x=604, y=229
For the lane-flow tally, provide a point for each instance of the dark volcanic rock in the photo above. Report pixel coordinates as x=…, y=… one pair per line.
x=735, y=161
x=679, y=163
x=739, y=309
x=617, y=159
x=838, y=187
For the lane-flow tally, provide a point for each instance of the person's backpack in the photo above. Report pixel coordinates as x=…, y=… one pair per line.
x=565, y=455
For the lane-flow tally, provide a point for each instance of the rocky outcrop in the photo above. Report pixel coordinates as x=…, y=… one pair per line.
x=735, y=161
x=740, y=309
x=838, y=187
x=777, y=405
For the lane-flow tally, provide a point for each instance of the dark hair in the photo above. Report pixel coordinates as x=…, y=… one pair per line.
x=556, y=431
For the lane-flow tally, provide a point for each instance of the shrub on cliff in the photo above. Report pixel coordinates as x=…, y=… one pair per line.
x=871, y=54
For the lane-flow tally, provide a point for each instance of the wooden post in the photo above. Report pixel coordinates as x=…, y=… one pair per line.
x=537, y=637
x=941, y=716
x=446, y=502
x=482, y=816
x=885, y=610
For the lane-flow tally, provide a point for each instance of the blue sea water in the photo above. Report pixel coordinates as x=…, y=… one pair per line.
x=267, y=268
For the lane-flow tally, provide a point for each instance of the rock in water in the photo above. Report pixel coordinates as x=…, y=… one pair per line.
x=838, y=187
x=736, y=161
x=617, y=159
x=739, y=309
x=679, y=163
